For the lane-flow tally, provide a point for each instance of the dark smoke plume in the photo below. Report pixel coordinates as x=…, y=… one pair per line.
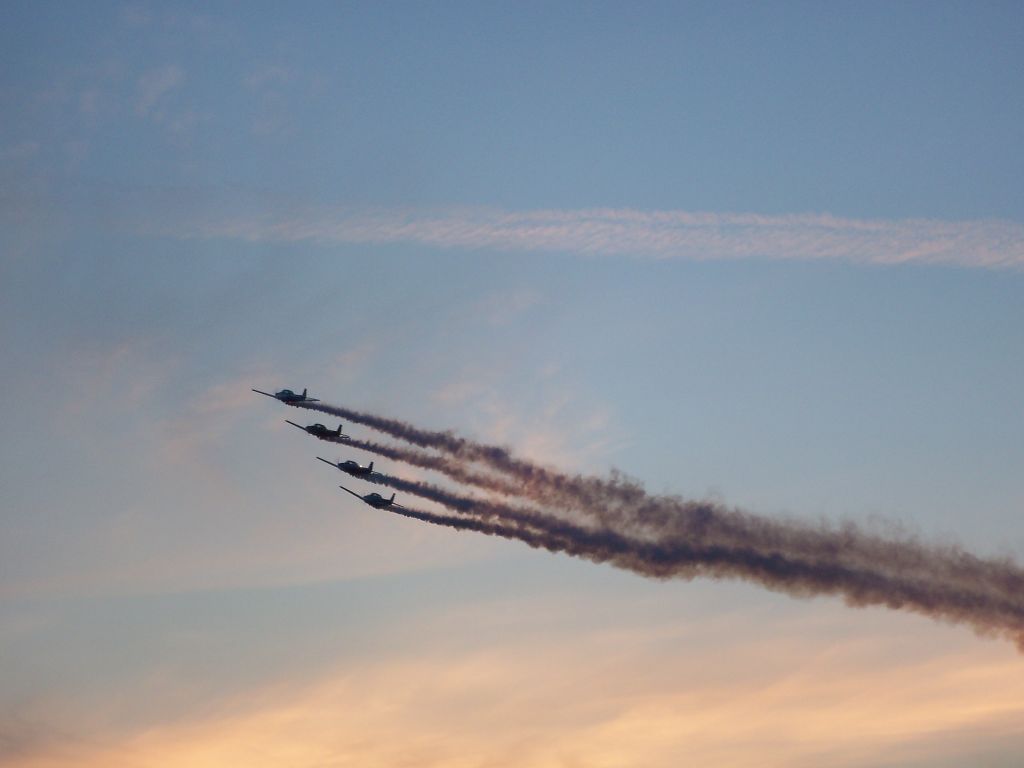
x=453, y=468
x=576, y=491
x=987, y=614
x=623, y=505
x=667, y=536
x=678, y=557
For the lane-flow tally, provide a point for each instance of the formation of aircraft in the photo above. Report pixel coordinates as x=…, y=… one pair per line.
x=375, y=500
x=322, y=432
x=287, y=396
x=350, y=467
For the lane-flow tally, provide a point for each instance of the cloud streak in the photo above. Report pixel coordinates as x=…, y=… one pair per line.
x=647, y=707
x=686, y=235
x=154, y=84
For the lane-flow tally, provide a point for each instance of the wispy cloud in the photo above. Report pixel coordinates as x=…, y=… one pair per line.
x=19, y=151
x=854, y=705
x=563, y=427
x=273, y=88
x=270, y=76
x=154, y=84
x=502, y=307
x=650, y=234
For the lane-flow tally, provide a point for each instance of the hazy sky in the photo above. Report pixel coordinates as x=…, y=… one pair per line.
x=769, y=254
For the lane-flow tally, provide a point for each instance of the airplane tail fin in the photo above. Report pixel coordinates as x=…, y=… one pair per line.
x=371, y=466
x=304, y=392
x=339, y=429
x=392, y=498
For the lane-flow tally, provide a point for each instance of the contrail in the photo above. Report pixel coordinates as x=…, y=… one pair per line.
x=671, y=537
x=986, y=614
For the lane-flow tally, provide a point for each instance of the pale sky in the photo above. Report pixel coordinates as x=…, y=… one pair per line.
x=771, y=255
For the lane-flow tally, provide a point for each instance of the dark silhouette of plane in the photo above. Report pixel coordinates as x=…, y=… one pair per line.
x=375, y=500
x=287, y=396
x=322, y=432
x=351, y=467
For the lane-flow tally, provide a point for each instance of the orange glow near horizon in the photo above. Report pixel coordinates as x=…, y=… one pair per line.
x=590, y=703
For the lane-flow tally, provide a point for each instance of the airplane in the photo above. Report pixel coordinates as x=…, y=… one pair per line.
x=287, y=396
x=375, y=500
x=351, y=467
x=319, y=430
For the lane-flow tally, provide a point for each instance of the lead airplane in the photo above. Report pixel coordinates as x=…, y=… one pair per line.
x=351, y=467
x=375, y=500
x=319, y=430
x=287, y=396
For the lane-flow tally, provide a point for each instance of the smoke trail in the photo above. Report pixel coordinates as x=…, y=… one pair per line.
x=453, y=468
x=577, y=492
x=622, y=504
x=539, y=520
x=944, y=582
x=986, y=614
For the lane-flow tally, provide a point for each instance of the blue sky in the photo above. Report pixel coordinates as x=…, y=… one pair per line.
x=873, y=110
x=770, y=255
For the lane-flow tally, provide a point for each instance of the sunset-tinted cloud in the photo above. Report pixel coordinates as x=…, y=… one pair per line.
x=579, y=699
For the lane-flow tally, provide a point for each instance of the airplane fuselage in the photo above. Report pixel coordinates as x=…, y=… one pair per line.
x=350, y=467
x=354, y=469
x=375, y=500
x=321, y=432
x=288, y=397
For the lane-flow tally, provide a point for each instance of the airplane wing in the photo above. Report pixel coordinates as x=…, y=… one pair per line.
x=311, y=400
x=352, y=492
x=264, y=393
x=396, y=506
x=325, y=461
x=296, y=425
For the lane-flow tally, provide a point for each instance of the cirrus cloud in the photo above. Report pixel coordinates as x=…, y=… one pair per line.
x=699, y=236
